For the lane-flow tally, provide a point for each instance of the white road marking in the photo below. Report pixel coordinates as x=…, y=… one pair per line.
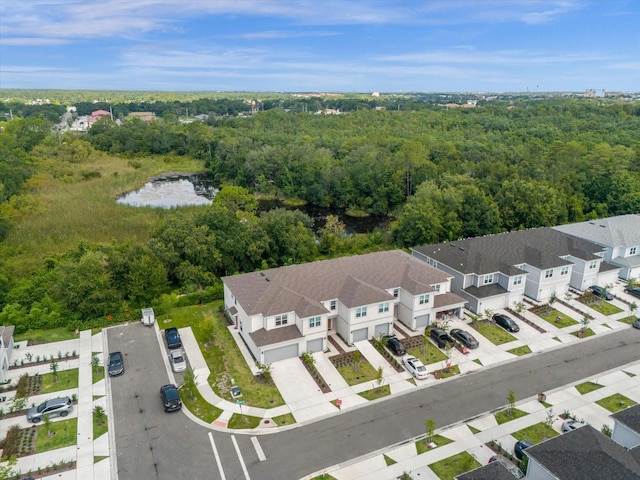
x=261, y=456
x=244, y=467
x=215, y=454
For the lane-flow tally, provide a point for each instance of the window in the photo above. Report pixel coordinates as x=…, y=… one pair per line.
x=314, y=322
x=564, y=271
x=281, y=320
x=396, y=292
x=633, y=250
x=517, y=280
x=593, y=264
x=548, y=273
x=383, y=307
x=488, y=279
x=361, y=312
x=437, y=287
x=333, y=305
x=422, y=299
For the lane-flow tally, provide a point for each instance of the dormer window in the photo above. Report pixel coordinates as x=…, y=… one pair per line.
x=488, y=279
x=633, y=250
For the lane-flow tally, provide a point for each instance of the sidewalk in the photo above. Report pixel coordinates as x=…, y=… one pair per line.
x=87, y=448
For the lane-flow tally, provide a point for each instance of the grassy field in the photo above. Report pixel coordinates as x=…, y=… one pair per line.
x=616, y=402
x=36, y=337
x=67, y=379
x=503, y=415
x=428, y=353
x=60, y=208
x=557, y=318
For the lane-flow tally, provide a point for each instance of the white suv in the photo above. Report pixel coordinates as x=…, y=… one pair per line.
x=60, y=406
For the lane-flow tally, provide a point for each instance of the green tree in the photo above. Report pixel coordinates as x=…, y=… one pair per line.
x=53, y=366
x=189, y=386
x=95, y=363
x=512, y=402
x=208, y=329
x=430, y=426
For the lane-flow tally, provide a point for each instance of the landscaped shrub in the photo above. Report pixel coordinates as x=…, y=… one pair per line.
x=11, y=442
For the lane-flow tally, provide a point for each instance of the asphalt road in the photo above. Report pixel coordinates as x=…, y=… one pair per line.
x=154, y=445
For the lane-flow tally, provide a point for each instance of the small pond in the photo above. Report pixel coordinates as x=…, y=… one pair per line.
x=178, y=189
x=171, y=191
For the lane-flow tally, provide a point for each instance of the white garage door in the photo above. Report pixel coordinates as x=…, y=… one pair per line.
x=314, y=345
x=359, y=335
x=381, y=330
x=422, y=320
x=288, y=351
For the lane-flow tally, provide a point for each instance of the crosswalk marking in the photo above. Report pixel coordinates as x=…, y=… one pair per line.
x=256, y=445
x=215, y=454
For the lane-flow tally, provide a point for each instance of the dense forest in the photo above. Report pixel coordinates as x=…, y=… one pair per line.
x=438, y=173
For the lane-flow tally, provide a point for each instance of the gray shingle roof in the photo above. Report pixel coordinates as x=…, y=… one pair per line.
x=629, y=417
x=620, y=231
x=539, y=247
x=357, y=280
x=492, y=471
x=585, y=453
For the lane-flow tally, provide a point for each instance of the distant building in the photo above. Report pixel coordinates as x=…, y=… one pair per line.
x=144, y=116
x=95, y=116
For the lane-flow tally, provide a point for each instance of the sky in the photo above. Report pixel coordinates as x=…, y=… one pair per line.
x=388, y=46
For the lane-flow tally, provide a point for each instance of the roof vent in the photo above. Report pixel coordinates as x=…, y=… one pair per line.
x=262, y=273
x=267, y=279
x=461, y=248
x=603, y=226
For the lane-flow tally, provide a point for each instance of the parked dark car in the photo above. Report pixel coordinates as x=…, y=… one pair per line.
x=520, y=447
x=506, y=322
x=635, y=291
x=636, y=323
x=173, y=337
x=394, y=345
x=116, y=364
x=464, y=337
x=442, y=338
x=601, y=292
x=170, y=398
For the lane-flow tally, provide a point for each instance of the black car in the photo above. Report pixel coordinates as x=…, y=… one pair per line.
x=116, y=364
x=464, y=337
x=173, y=337
x=170, y=398
x=601, y=292
x=442, y=338
x=506, y=322
x=635, y=291
x=520, y=447
x=394, y=345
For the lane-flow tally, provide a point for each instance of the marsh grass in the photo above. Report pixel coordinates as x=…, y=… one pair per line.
x=59, y=209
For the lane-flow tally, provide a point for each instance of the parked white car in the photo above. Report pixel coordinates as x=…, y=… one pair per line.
x=178, y=362
x=415, y=367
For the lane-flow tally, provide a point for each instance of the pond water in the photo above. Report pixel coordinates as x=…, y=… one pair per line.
x=176, y=190
x=171, y=191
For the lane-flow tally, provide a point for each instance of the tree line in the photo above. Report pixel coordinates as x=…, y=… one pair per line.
x=439, y=174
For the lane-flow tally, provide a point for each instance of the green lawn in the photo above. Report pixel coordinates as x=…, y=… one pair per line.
x=616, y=402
x=536, y=433
x=36, y=337
x=557, y=319
x=66, y=379
x=427, y=353
x=628, y=320
x=583, y=334
x=377, y=392
x=519, y=351
x=599, y=304
x=587, y=387
x=63, y=434
x=451, y=467
x=438, y=440
x=200, y=407
x=223, y=356
x=100, y=428
x=363, y=373
x=97, y=373
x=237, y=422
x=493, y=333
x=286, y=419
x=503, y=415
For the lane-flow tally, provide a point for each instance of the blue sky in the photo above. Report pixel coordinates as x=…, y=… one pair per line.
x=321, y=45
